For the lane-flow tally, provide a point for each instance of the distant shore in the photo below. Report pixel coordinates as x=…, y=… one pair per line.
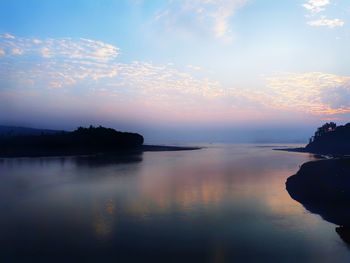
x=80, y=142
x=164, y=148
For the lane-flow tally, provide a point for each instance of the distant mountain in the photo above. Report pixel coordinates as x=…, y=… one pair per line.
x=15, y=131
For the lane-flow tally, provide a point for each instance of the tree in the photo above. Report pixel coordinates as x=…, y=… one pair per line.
x=325, y=128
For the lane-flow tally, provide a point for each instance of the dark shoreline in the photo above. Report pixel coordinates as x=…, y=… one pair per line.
x=321, y=154
x=119, y=152
x=300, y=150
x=165, y=148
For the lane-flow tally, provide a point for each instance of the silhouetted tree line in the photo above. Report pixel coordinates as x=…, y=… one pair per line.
x=331, y=139
x=81, y=141
x=325, y=128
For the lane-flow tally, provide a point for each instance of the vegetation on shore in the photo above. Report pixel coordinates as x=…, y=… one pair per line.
x=330, y=139
x=81, y=141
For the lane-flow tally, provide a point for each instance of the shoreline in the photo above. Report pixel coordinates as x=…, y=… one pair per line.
x=322, y=187
x=299, y=150
x=324, y=155
x=166, y=148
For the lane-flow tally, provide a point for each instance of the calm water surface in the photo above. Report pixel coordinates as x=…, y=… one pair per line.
x=219, y=204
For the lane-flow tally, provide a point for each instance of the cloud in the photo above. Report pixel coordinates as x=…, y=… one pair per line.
x=69, y=63
x=330, y=23
x=314, y=92
x=46, y=52
x=17, y=51
x=192, y=67
x=63, y=48
x=202, y=15
x=138, y=90
x=7, y=36
x=316, y=6
x=164, y=88
x=37, y=41
x=2, y=52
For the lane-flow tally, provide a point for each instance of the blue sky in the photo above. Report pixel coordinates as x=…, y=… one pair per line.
x=174, y=63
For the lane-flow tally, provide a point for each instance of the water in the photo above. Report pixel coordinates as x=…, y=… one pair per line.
x=223, y=203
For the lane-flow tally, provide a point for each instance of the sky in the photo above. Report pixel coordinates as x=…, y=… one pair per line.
x=193, y=68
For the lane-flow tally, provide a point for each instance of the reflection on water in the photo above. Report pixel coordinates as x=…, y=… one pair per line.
x=108, y=159
x=218, y=204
